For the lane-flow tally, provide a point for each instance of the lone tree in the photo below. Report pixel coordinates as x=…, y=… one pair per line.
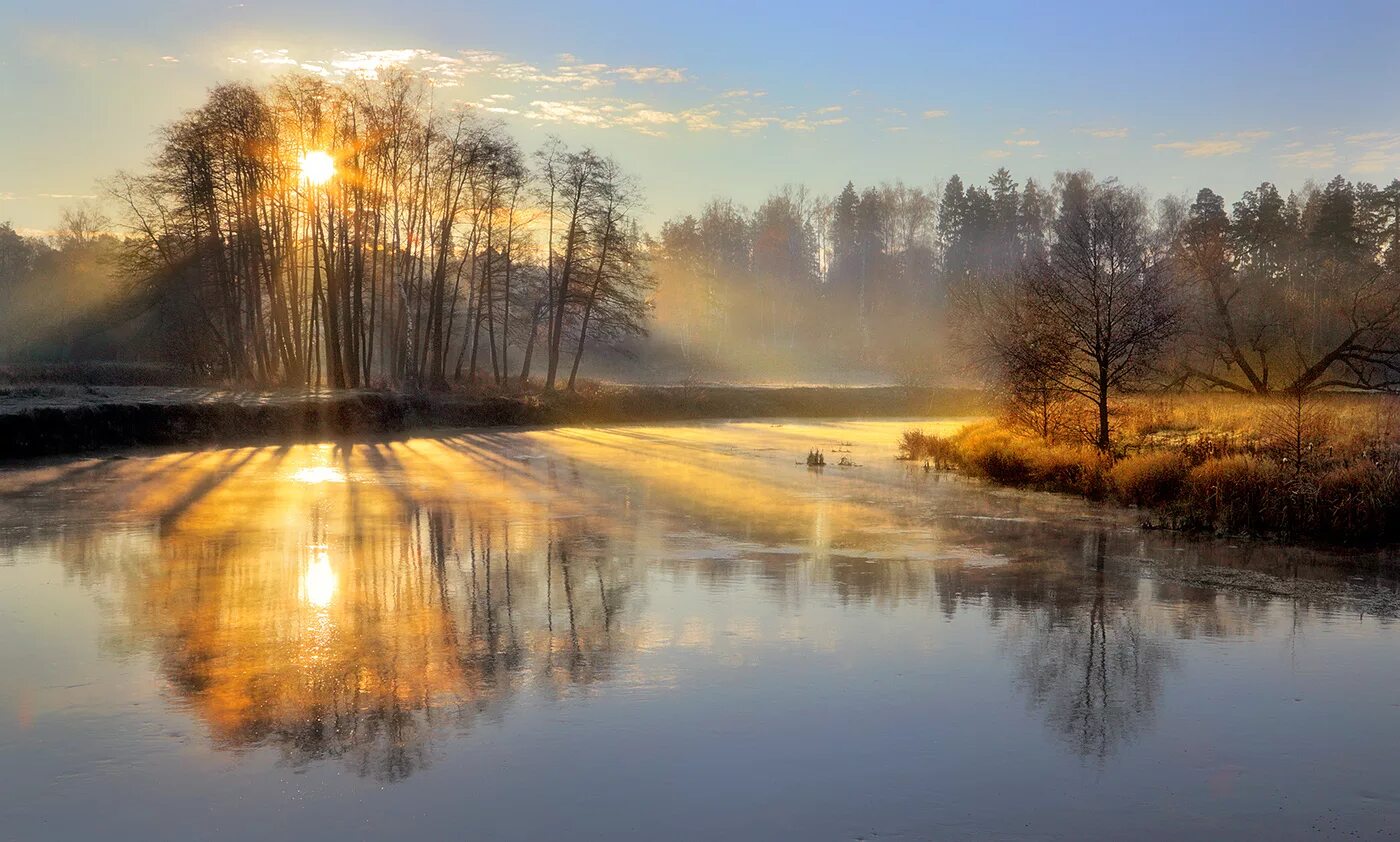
x=1091, y=315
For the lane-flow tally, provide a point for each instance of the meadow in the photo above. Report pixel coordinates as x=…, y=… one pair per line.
x=1323, y=468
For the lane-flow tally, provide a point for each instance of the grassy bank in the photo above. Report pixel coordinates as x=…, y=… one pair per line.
x=39, y=420
x=1326, y=469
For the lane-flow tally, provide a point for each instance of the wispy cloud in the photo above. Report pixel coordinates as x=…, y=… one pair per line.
x=935, y=113
x=1380, y=152
x=1320, y=157
x=1204, y=148
x=1218, y=146
x=996, y=153
x=806, y=122
x=1104, y=133
x=448, y=70
x=572, y=91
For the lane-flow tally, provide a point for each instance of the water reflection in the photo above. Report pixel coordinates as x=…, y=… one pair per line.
x=365, y=602
x=1092, y=667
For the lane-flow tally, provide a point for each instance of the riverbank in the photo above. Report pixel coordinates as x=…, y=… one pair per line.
x=49, y=420
x=1323, y=469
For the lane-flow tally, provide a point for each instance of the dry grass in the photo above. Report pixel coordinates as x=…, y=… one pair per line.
x=989, y=451
x=1325, y=468
x=1150, y=479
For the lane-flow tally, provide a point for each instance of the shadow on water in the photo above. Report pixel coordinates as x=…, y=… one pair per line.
x=361, y=603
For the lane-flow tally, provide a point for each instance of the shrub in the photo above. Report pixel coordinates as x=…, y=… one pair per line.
x=1150, y=479
x=918, y=446
x=915, y=445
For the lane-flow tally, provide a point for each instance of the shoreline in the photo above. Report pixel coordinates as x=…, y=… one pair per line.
x=49, y=420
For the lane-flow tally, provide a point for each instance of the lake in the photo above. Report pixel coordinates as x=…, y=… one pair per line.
x=665, y=632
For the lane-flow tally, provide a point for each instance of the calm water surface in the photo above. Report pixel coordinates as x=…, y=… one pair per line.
x=665, y=632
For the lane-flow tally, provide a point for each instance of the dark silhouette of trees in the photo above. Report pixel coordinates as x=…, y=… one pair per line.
x=1294, y=295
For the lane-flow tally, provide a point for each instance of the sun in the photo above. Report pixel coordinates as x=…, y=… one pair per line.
x=317, y=167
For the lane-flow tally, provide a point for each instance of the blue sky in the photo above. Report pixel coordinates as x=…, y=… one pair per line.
x=737, y=98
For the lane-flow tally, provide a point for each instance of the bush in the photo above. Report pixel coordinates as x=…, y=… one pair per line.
x=918, y=446
x=1150, y=479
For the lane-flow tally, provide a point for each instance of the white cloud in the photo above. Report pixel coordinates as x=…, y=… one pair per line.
x=935, y=113
x=996, y=153
x=1026, y=142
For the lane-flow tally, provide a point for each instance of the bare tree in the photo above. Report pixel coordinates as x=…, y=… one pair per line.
x=1091, y=316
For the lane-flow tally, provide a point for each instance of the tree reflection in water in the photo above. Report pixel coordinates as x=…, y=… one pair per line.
x=1091, y=667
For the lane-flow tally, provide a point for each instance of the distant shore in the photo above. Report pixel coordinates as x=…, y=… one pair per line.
x=38, y=420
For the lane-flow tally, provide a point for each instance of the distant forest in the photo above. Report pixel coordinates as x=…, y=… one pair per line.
x=436, y=252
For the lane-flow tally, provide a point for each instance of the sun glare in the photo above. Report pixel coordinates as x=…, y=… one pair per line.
x=317, y=167
x=318, y=582
x=318, y=474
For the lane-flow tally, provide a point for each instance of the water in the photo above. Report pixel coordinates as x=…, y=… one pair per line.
x=665, y=632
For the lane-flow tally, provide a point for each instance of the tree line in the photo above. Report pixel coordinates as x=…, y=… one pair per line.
x=346, y=235
x=1277, y=296
x=858, y=282
x=1061, y=294
x=437, y=252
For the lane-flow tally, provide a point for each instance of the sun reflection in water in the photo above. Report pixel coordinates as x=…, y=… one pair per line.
x=318, y=474
x=318, y=582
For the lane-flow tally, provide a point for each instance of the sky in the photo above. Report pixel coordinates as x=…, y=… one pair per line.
x=734, y=99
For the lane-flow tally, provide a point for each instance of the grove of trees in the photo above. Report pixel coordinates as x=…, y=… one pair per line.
x=433, y=249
